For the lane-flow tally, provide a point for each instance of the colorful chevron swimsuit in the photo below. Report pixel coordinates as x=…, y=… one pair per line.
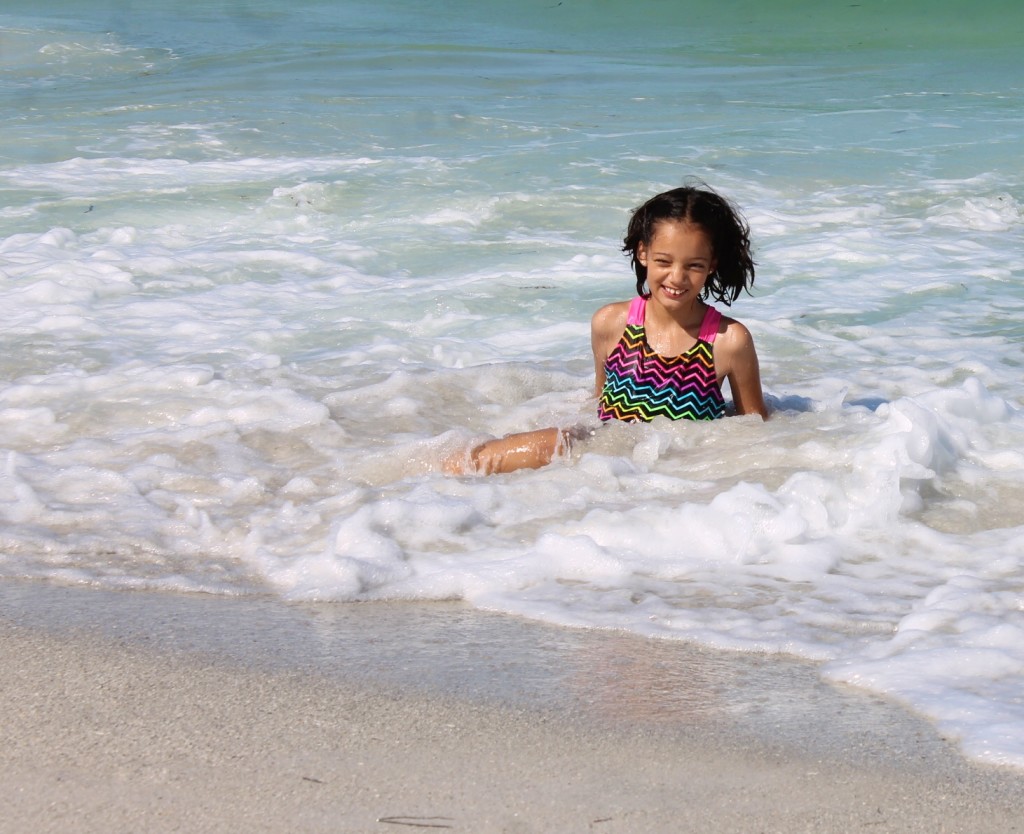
x=641, y=384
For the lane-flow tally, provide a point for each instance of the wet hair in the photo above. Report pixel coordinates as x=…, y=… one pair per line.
x=720, y=221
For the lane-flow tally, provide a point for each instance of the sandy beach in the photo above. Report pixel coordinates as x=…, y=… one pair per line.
x=155, y=712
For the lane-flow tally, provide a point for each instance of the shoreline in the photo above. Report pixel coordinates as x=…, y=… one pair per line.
x=164, y=712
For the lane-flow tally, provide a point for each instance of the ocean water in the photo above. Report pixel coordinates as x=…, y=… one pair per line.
x=264, y=265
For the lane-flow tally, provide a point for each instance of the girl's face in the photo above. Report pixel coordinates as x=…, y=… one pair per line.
x=679, y=259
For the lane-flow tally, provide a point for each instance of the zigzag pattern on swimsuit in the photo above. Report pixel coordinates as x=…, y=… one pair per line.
x=641, y=384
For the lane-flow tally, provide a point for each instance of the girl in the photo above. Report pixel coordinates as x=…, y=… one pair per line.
x=666, y=352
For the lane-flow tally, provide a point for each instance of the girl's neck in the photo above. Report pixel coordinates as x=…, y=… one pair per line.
x=673, y=332
x=688, y=318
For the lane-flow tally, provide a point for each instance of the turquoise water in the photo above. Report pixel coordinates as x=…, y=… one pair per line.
x=265, y=264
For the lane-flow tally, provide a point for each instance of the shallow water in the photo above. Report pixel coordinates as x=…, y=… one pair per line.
x=263, y=269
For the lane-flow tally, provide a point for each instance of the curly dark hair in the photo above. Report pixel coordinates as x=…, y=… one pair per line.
x=720, y=220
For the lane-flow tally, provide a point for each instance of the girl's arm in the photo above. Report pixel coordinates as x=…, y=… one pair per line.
x=739, y=360
x=533, y=449
x=605, y=331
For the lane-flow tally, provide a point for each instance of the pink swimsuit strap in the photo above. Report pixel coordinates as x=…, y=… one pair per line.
x=708, y=327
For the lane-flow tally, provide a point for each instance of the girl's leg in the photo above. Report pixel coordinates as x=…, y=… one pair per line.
x=526, y=450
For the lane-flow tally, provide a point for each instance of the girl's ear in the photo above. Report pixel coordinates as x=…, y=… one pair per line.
x=641, y=254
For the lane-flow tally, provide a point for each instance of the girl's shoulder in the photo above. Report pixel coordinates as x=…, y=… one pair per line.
x=733, y=329
x=611, y=317
x=733, y=338
x=606, y=328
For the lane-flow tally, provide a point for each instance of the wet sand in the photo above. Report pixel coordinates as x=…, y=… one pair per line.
x=134, y=711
